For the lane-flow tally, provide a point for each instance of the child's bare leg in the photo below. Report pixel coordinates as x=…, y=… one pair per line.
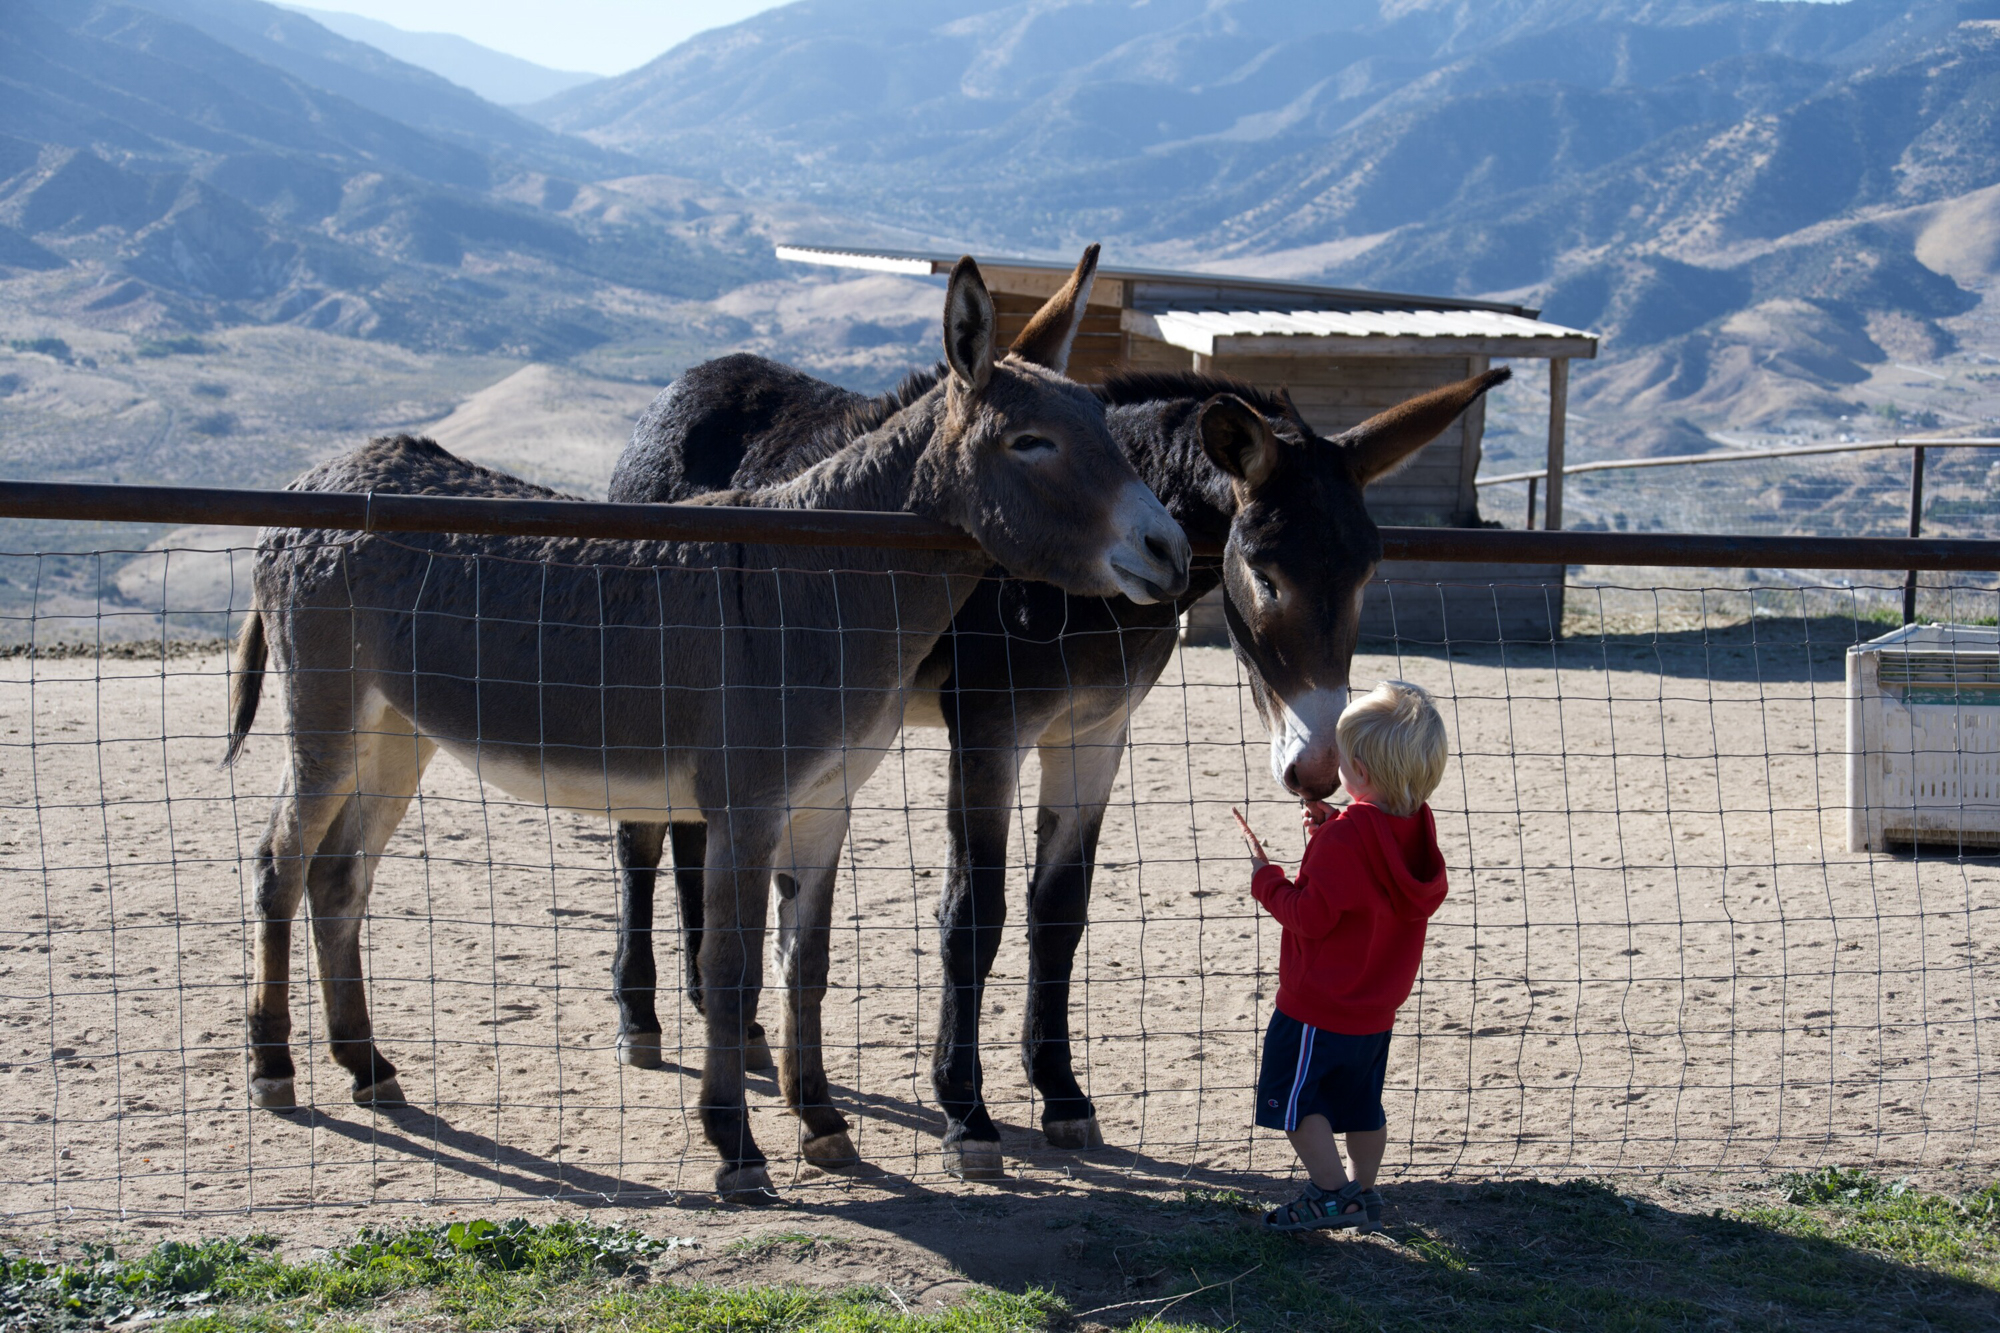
x=1364, y=1152
x=1313, y=1141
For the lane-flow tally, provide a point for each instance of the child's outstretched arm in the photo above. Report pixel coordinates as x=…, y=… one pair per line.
x=1304, y=906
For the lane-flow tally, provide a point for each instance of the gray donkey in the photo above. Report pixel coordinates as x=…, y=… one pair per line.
x=753, y=688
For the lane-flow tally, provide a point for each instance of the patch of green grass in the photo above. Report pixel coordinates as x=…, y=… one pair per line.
x=466, y=1275
x=1957, y=1237
x=706, y=1309
x=802, y=1244
x=1829, y=1249
x=1228, y=1201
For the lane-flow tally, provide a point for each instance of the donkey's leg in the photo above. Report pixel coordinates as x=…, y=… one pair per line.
x=297, y=827
x=810, y=855
x=690, y=844
x=742, y=845
x=388, y=768
x=1077, y=774
x=985, y=774
x=634, y=974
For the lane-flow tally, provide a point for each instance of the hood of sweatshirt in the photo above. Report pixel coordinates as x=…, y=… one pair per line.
x=1406, y=855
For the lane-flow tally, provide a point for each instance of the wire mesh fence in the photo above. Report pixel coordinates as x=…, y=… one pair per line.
x=1658, y=952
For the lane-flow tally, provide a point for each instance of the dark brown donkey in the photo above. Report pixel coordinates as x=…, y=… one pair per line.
x=754, y=688
x=1026, y=666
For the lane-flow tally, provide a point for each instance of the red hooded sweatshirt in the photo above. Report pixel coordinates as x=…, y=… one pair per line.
x=1354, y=922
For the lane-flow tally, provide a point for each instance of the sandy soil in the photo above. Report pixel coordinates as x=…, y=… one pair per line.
x=1656, y=956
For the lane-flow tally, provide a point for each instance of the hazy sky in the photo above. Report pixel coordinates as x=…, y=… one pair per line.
x=595, y=36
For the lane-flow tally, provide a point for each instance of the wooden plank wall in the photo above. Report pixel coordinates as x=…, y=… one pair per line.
x=1413, y=604
x=1100, y=344
x=1335, y=395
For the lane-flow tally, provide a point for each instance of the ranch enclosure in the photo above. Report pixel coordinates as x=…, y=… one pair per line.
x=1657, y=953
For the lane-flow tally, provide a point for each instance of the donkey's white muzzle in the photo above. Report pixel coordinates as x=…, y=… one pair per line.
x=1149, y=560
x=1305, y=750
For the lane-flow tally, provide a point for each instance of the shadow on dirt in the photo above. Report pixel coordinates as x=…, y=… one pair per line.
x=1505, y=1255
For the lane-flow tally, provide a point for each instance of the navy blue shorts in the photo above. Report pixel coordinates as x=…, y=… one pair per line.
x=1309, y=1071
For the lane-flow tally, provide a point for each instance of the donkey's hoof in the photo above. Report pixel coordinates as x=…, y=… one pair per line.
x=641, y=1050
x=273, y=1094
x=830, y=1152
x=1074, y=1134
x=974, y=1159
x=386, y=1092
x=757, y=1052
x=745, y=1184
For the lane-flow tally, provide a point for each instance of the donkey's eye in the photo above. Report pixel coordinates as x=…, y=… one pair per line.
x=1031, y=444
x=1265, y=587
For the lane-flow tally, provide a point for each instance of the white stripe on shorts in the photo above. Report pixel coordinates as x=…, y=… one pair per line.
x=1299, y=1075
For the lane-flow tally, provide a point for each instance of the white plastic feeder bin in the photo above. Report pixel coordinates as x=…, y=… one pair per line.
x=1923, y=738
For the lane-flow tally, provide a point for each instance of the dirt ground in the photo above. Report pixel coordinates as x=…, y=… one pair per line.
x=1657, y=957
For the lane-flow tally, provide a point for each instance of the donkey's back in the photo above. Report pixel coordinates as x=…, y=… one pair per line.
x=575, y=670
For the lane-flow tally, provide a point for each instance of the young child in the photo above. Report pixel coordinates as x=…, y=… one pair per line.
x=1354, y=934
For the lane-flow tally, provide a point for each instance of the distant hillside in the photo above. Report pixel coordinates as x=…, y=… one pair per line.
x=494, y=75
x=155, y=175
x=371, y=77
x=1723, y=186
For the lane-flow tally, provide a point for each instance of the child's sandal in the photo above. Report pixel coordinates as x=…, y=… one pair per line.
x=1316, y=1209
x=1370, y=1200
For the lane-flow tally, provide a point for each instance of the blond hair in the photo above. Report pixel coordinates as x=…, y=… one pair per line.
x=1396, y=736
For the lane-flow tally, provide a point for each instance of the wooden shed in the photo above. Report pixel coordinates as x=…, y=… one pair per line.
x=1344, y=355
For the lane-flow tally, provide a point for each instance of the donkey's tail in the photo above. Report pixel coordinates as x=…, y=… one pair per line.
x=246, y=682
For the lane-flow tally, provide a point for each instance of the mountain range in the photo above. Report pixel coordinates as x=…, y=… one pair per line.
x=494, y=75
x=197, y=163
x=1735, y=193
x=1761, y=205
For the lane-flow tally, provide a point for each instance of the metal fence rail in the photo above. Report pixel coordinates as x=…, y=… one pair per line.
x=818, y=527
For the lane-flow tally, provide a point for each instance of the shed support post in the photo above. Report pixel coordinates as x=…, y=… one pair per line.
x=1552, y=500
x=1916, y=529
x=1472, y=432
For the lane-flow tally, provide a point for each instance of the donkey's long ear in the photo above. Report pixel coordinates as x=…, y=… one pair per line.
x=1052, y=332
x=1383, y=443
x=1238, y=440
x=969, y=332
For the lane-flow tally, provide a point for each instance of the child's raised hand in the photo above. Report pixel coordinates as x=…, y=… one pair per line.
x=1257, y=857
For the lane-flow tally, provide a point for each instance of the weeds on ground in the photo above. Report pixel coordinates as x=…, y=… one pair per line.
x=467, y=1275
x=1835, y=1249
x=1827, y=1249
x=799, y=1245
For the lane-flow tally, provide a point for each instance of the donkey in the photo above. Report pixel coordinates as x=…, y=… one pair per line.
x=752, y=687
x=1025, y=665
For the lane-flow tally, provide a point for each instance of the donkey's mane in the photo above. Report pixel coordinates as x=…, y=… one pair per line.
x=871, y=413
x=1125, y=388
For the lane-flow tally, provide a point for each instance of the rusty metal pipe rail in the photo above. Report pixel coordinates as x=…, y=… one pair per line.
x=820, y=527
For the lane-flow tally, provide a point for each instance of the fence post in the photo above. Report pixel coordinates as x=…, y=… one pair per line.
x=1916, y=528
x=1552, y=502
x=1532, y=482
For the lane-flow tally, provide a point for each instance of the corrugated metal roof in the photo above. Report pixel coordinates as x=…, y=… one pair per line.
x=1211, y=313
x=1310, y=295
x=1199, y=330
